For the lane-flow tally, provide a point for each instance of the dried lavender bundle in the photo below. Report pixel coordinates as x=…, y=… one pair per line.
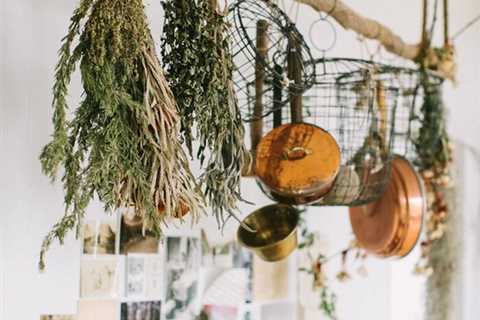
x=123, y=142
x=196, y=55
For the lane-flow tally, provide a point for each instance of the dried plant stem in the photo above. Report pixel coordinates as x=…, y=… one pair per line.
x=122, y=143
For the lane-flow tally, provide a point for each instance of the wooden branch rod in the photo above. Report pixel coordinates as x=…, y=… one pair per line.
x=369, y=28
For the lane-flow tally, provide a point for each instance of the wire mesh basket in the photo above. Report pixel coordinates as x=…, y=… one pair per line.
x=262, y=36
x=372, y=111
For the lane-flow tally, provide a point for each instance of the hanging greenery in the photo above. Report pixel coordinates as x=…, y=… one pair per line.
x=434, y=152
x=122, y=143
x=316, y=268
x=196, y=55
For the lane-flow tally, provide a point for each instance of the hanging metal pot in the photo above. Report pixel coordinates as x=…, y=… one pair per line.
x=391, y=226
x=297, y=163
x=276, y=232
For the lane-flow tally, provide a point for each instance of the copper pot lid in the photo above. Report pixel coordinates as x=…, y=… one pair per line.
x=391, y=226
x=298, y=160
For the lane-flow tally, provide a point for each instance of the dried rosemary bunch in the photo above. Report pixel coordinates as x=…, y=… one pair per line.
x=123, y=142
x=196, y=55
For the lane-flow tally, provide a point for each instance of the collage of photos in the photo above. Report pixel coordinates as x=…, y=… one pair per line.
x=129, y=274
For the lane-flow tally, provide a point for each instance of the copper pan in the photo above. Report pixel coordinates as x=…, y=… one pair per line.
x=390, y=226
x=297, y=163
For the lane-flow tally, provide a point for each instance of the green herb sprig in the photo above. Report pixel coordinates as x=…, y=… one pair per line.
x=123, y=142
x=196, y=55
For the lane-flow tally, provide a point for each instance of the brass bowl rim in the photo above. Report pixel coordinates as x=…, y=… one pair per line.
x=294, y=229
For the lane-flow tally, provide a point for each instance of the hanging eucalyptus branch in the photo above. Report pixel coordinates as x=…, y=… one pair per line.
x=196, y=55
x=122, y=143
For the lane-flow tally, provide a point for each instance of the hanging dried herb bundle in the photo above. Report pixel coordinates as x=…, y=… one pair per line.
x=196, y=55
x=434, y=159
x=123, y=142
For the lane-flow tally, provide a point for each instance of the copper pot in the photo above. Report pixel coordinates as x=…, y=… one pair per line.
x=391, y=226
x=297, y=163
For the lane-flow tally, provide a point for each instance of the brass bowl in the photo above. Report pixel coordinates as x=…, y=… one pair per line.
x=276, y=232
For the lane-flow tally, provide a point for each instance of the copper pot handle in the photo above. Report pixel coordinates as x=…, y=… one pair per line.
x=296, y=153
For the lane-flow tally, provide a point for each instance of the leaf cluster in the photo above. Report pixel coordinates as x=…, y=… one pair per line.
x=196, y=55
x=432, y=142
x=122, y=143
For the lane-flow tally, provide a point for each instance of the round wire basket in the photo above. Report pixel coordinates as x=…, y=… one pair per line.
x=262, y=37
x=371, y=109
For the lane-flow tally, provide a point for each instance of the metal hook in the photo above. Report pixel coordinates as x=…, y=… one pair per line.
x=311, y=35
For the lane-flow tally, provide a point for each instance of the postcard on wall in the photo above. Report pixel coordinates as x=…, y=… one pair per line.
x=99, y=237
x=106, y=237
x=58, y=317
x=219, y=312
x=133, y=238
x=141, y=310
x=99, y=278
x=218, y=256
x=89, y=234
x=183, y=262
x=144, y=276
x=270, y=280
x=98, y=310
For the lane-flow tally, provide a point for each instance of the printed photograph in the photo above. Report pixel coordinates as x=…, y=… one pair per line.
x=145, y=310
x=144, y=276
x=99, y=278
x=132, y=237
x=183, y=262
x=154, y=276
x=58, y=317
x=217, y=312
x=106, y=237
x=89, y=232
x=98, y=310
x=218, y=256
x=135, y=277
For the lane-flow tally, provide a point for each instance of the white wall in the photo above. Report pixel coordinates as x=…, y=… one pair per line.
x=30, y=31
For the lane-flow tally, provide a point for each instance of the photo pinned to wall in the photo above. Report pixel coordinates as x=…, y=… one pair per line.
x=99, y=237
x=106, y=237
x=227, y=288
x=133, y=237
x=99, y=277
x=216, y=256
x=183, y=264
x=89, y=234
x=58, y=317
x=98, y=310
x=144, y=276
x=232, y=260
x=142, y=310
x=219, y=312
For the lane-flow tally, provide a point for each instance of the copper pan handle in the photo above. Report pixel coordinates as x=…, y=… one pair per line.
x=295, y=75
x=296, y=153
